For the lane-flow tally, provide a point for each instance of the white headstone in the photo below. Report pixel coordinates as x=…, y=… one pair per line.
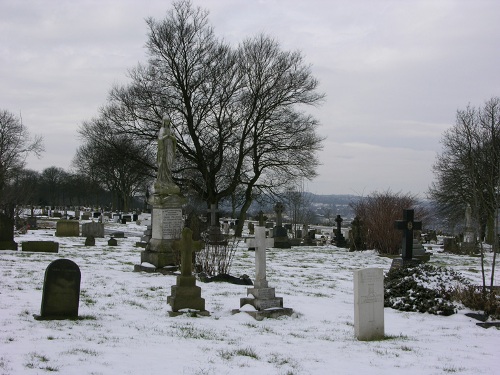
x=369, y=304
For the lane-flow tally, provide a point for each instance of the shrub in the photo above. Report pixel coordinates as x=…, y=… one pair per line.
x=421, y=289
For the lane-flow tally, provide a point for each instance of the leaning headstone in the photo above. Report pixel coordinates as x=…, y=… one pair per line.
x=264, y=299
x=369, y=304
x=185, y=294
x=7, y=233
x=93, y=229
x=40, y=246
x=167, y=219
x=61, y=291
x=67, y=228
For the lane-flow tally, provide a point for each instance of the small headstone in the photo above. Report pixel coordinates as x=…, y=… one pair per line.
x=85, y=217
x=61, y=291
x=112, y=242
x=67, y=228
x=251, y=228
x=369, y=304
x=40, y=246
x=90, y=241
x=95, y=215
x=119, y=234
x=32, y=222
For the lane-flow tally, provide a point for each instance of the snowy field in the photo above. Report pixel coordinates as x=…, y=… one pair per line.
x=124, y=326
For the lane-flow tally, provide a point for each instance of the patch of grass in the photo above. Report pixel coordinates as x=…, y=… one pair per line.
x=247, y=352
x=453, y=369
x=244, y=352
x=87, y=317
x=187, y=331
x=405, y=348
x=50, y=338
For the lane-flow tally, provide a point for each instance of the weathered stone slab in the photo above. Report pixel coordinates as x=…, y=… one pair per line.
x=67, y=228
x=7, y=233
x=61, y=291
x=369, y=304
x=93, y=229
x=40, y=246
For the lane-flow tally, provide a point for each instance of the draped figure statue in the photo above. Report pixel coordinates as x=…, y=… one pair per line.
x=165, y=158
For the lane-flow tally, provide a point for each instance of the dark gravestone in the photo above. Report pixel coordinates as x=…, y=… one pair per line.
x=61, y=291
x=135, y=217
x=32, y=222
x=339, y=237
x=90, y=241
x=40, y=246
x=407, y=225
x=357, y=239
x=112, y=242
x=7, y=233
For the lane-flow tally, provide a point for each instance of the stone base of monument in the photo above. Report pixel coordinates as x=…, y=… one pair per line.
x=282, y=243
x=149, y=268
x=186, y=295
x=403, y=263
x=266, y=304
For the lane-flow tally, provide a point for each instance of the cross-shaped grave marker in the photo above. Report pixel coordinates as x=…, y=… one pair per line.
x=408, y=225
x=213, y=215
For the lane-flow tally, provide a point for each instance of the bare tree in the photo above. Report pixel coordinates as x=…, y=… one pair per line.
x=15, y=145
x=378, y=212
x=468, y=172
x=235, y=112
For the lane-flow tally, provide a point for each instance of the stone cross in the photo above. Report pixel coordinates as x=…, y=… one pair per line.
x=279, y=211
x=213, y=215
x=187, y=246
x=408, y=225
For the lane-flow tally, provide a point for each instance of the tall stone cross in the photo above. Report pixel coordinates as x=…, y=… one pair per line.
x=213, y=215
x=187, y=246
x=279, y=211
x=408, y=225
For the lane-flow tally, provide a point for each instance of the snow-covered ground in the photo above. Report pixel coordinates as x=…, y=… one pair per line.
x=125, y=327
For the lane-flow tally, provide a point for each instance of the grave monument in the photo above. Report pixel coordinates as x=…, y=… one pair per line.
x=7, y=233
x=280, y=234
x=166, y=218
x=185, y=294
x=264, y=299
x=339, y=237
x=369, y=304
x=407, y=225
x=61, y=291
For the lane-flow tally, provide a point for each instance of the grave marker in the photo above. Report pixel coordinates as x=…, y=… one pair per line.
x=185, y=294
x=408, y=225
x=369, y=304
x=61, y=291
x=264, y=299
x=67, y=228
x=7, y=233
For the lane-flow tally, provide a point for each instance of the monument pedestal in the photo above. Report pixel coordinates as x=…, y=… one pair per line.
x=186, y=295
x=166, y=228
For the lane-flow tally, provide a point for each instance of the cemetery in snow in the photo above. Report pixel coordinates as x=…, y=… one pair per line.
x=103, y=292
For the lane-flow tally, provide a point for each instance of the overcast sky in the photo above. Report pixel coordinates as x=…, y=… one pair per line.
x=394, y=72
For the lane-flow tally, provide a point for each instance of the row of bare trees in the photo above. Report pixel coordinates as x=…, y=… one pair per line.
x=237, y=112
